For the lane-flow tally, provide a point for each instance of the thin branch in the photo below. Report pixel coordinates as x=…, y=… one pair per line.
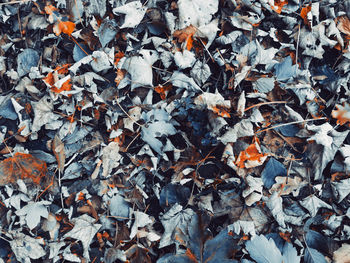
x=127, y=114
x=266, y=103
x=290, y=123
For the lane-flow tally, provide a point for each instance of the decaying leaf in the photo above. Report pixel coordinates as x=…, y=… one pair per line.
x=22, y=166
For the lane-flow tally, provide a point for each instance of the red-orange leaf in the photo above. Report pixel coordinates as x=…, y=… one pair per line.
x=252, y=156
x=66, y=86
x=303, y=13
x=22, y=166
x=342, y=113
x=278, y=5
x=66, y=27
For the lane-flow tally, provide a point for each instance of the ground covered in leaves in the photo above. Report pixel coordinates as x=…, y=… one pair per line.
x=175, y=131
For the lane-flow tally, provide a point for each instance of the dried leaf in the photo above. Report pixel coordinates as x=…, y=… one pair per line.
x=342, y=113
x=66, y=27
x=22, y=166
x=84, y=230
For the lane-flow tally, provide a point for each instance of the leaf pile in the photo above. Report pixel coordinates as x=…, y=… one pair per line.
x=174, y=131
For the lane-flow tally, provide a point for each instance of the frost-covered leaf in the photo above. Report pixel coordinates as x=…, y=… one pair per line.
x=263, y=250
x=175, y=218
x=196, y=12
x=312, y=203
x=25, y=247
x=179, y=79
x=341, y=189
x=33, y=213
x=321, y=154
x=118, y=207
x=274, y=203
x=200, y=72
x=342, y=255
x=241, y=129
x=110, y=158
x=140, y=68
x=84, y=230
x=100, y=61
x=184, y=59
x=157, y=127
x=134, y=12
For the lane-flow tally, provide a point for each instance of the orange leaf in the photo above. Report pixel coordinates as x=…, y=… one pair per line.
x=66, y=86
x=252, y=156
x=49, y=9
x=303, y=13
x=186, y=35
x=278, y=5
x=49, y=79
x=342, y=113
x=66, y=27
x=117, y=57
x=163, y=90
x=221, y=111
x=21, y=166
x=63, y=69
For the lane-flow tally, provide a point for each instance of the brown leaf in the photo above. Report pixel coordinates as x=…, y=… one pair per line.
x=58, y=150
x=22, y=166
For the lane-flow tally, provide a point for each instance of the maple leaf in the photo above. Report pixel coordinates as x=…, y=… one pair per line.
x=201, y=245
x=66, y=27
x=21, y=166
x=342, y=113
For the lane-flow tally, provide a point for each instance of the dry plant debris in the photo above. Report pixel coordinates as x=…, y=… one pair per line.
x=174, y=131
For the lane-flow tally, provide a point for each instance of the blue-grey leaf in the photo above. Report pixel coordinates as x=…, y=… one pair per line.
x=263, y=250
x=107, y=32
x=285, y=70
x=290, y=254
x=272, y=169
x=26, y=60
x=313, y=256
x=288, y=130
x=78, y=52
x=7, y=110
x=172, y=194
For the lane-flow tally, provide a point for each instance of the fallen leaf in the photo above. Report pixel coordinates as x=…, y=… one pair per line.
x=21, y=166
x=342, y=113
x=66, y=27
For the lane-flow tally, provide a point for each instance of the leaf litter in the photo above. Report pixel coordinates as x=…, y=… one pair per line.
x=174, y=131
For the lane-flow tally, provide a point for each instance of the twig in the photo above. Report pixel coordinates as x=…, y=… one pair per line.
x=265, y=103
x=131, y=118
x=51, y=184
x=290, y=123
x=127, y=147
x=296, y=51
